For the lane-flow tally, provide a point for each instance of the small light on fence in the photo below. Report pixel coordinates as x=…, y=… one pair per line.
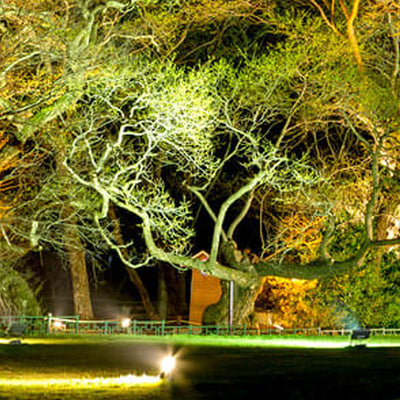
x=126, y=322
x=58, y=325
x=276, y=326
x=167, y=366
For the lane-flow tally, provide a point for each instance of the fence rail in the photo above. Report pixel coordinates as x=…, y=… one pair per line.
x=46, y=325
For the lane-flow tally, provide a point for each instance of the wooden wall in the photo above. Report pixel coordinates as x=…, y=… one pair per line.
x=205, y=290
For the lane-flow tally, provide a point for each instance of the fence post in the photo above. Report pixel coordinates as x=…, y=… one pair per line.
x=77, y=325
x=134, y=326
x=162, y=327
x=48, y=326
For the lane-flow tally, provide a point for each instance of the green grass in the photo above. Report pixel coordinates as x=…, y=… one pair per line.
x=76, y=368
x=38, y=386
x=276, y=341
x=215, y=340
x=69, y=393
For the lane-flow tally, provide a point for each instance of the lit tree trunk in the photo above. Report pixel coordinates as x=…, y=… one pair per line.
x=244, y=298
x=78, y=272
x=243, y=305
x=74, y=248
x=162, y=293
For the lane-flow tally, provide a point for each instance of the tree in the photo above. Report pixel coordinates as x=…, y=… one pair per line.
x=46, y=52
x=50, y=51
x=175, y=125
x=16, y=293
x=43, y=218
x=158, y=140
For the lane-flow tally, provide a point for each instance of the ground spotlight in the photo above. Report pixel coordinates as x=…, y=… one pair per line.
x=167, y=366
x=359, y=337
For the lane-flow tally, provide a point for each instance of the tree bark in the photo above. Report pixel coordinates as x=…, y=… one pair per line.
x=243, y=297
x=171, y=294
x=75, y=249
x=78, y=272
x=243, y=305
x=176, y=288
x=162, y=294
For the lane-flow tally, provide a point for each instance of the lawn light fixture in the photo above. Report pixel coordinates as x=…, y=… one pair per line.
x=125, y=323
x=359, y=337
x=167, y=366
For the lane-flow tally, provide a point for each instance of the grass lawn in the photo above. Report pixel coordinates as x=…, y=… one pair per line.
x=214, y=340
x=80, y=368
x=105, y=367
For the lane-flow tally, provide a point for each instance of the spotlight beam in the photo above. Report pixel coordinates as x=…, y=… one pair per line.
x=125, y=380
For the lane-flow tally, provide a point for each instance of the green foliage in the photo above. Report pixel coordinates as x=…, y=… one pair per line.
x=378, y=101
x=348, y=238
x=16, y=297
x=368, y=297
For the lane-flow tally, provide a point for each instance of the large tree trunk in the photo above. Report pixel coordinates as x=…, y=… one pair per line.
x=75, y=249
x=176, y=287
x=243, y=305
x=79, y=276
x=162, y=293
x=171, y=295
x=244, y=298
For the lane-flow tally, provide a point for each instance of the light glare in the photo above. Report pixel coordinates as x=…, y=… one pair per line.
x=167, y=365
x=126, y=323
x=58, y=325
